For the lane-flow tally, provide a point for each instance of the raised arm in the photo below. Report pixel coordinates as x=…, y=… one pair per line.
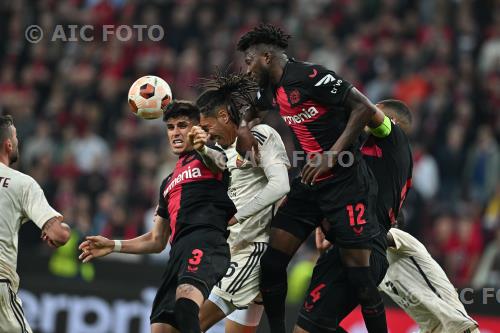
x=154, y=241
x=214, y=159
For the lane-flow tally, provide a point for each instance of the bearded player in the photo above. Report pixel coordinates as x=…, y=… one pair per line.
x=193, y=212
x=256, y=186
x=21, y=200
x=327, y=115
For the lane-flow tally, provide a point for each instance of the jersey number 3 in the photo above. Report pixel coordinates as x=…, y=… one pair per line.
x=195, y=260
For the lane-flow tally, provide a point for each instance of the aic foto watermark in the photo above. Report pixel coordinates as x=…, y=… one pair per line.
x=90, y=33
x=299, y=158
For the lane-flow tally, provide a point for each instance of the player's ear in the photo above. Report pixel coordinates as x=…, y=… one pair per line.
x=224, y=115
x=8, y=144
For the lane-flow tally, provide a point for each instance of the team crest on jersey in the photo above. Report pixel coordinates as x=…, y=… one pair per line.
x=294, y=96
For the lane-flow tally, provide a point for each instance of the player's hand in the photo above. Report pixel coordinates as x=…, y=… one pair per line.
x=198, y=137
x=232, y=221
x=95, y=247
x=316, y=166
x=321, y=243
x=48, y=241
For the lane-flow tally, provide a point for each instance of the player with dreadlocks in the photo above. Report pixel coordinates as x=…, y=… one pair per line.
x=327, y=115
x=255, y=186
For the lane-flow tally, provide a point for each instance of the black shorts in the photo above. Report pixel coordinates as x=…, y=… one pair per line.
x=347, y=204
x=330, y=298
x=200, y=259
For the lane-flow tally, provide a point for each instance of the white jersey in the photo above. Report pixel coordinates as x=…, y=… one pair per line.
x=248, y=179
x=21, y=200
x=417, y=283
x=251, y=191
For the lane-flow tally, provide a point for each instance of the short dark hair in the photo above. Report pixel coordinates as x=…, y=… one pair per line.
x=402, y=110
x=5, y=131
x=181, y=108
x=234, y=90
x=264, y=34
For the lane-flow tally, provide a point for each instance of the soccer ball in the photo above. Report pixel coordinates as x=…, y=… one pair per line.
x=148, y=95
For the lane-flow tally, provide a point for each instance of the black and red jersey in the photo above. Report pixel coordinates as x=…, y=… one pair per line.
x=311, y=101
x=390, y=160
x=192, y=196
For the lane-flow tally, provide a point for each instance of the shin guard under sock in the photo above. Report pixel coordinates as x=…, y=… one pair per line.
x=372, y=305
x=186, y=315
x=274, y=287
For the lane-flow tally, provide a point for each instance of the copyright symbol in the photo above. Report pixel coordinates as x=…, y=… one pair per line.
x=33, y=34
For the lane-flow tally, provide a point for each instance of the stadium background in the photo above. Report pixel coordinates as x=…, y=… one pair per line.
x=101, y=167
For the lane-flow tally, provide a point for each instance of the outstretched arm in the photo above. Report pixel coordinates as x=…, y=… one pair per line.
x=154, y=241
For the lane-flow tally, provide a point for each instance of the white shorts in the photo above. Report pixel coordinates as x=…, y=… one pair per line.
x=12, y=318
x=240, y=286
x=247, y=317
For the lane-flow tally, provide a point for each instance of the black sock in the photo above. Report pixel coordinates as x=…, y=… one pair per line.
x=186, y=315
x=372, y=305
x=274, y=287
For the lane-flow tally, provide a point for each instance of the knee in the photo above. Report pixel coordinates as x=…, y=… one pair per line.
x=189, y=291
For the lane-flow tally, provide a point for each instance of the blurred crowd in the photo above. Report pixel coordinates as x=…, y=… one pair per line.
x=101, y=167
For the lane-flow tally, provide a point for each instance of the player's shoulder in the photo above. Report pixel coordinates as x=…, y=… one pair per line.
x=306, y=72
x=263, y=132
x=20, y=178
x=398, y=131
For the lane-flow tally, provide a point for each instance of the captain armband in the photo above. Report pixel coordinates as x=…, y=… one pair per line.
x=383, y=129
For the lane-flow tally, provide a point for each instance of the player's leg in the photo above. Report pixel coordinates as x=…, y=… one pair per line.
x=205, y=263
x=357, y=262
x=294, y=222
x=298, y=329
x=329, y=298
x=353, y=226
x=245, y=320
x=211, y=312
x=188, y=300
x=234, y=327
x=162, y=328
x=11, y=313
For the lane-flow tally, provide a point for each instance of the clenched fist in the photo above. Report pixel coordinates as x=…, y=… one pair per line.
x=198, y=137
